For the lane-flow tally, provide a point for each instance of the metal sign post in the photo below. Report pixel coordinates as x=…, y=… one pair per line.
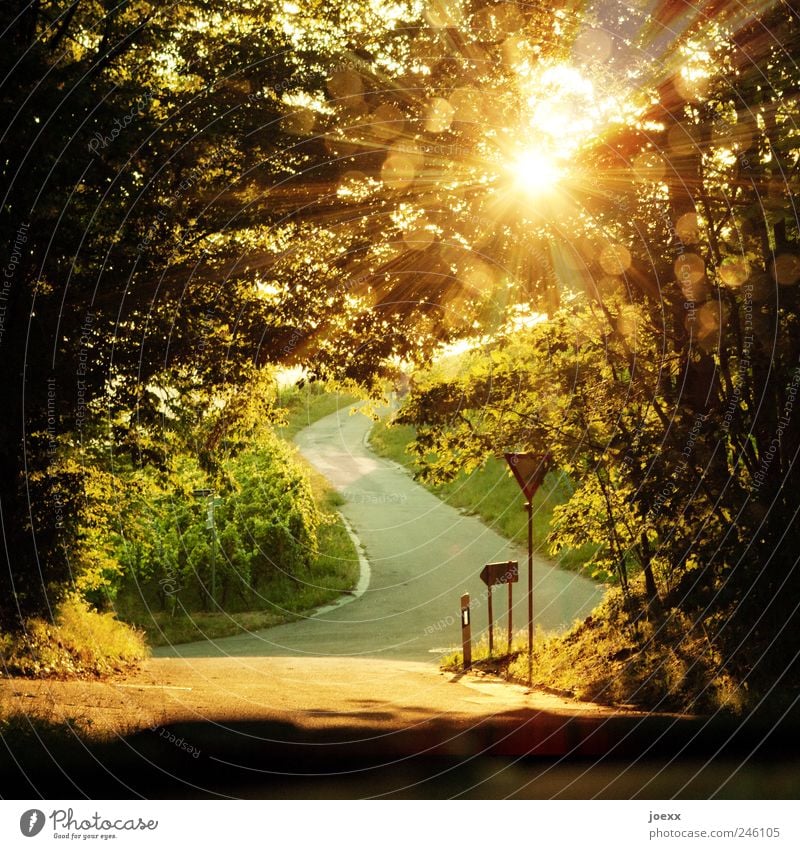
x=466, y=632
x=510, y=613
x=529, y=471
x=499, y=573
x=529, y=508
x=491, y=624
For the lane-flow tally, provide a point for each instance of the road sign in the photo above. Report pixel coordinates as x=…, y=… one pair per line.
x=493, y=574
x=500, y=573
x=529, y=470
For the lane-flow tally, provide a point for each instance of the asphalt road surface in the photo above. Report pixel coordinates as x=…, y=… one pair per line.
x=338, y=728
x=422, y=555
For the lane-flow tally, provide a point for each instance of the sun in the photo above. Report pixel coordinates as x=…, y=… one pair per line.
x=535, y=171
x=561, y=114
x=563, y=111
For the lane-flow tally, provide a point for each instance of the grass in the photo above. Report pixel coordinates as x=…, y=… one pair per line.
x=305, y=405
x=162, y=628
x=498, y=662
x=24, y=732
x=80, y=642
x=492, y=494
x=659, y=661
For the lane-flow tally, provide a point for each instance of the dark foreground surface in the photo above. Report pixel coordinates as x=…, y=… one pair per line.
x=519, y=754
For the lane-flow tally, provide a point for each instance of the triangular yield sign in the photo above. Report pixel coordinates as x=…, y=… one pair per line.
x=529, y=470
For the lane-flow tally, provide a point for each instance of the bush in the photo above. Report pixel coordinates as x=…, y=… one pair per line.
x=265, y=523
x=280, y=599
x=271, y=519
x=80, y=642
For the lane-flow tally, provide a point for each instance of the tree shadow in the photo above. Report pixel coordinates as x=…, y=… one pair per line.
x=529, y=753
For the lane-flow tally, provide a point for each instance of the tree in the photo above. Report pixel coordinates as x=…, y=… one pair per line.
x=144, y=153
x=666, y=382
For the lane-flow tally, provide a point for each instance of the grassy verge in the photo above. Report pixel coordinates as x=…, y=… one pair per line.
x=492, y=494
x=80, y=642
x=163, y=628
x=658, y=662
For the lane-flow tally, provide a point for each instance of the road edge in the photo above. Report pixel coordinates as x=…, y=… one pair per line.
x=364, y=575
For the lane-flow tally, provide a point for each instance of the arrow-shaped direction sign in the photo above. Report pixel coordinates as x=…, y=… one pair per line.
x=500, y=573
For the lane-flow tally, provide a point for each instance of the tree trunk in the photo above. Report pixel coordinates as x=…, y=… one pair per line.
x=646, y=555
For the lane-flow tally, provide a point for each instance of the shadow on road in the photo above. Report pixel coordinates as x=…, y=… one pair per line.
x=525, y=754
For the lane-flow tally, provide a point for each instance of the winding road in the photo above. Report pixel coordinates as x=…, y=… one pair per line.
x=350, y=703
x=422, y=555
